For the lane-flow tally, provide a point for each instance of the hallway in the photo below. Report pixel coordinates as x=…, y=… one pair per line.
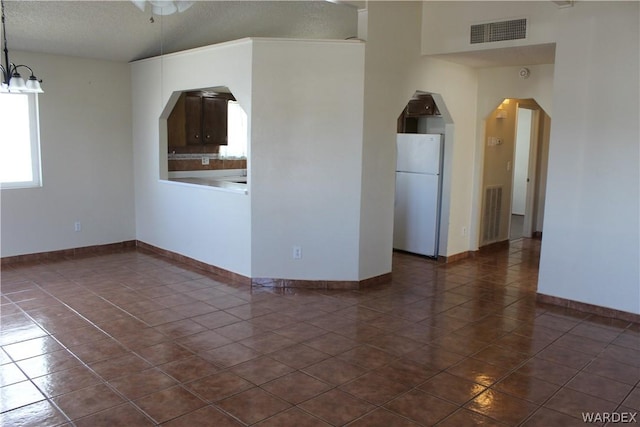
x=130, y=338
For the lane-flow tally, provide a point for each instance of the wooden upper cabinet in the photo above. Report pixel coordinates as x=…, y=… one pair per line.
x=422, y=106
x=419, y=107
x=193, y=119
x=214, y=120
x=199, y=118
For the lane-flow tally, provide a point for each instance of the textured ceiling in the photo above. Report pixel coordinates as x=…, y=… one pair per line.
x=118, y=30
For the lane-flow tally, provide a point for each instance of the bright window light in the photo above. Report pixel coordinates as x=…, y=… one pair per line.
x=19, y=145
x=236, y=132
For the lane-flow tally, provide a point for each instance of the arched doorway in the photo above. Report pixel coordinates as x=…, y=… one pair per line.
x=422, y=203
x=514, y=171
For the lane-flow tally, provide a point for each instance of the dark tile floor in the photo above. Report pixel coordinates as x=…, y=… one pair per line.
x=130, y=339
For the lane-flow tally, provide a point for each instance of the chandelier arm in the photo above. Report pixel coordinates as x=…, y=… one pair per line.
x=15, y=68
x=6, y=69
x=10, y=70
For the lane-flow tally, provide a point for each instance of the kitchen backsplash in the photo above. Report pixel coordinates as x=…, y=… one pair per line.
x=194, y=161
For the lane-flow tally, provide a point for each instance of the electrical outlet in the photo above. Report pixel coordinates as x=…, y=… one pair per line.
x=77, y=226
x=205, y=160
x=297, y=252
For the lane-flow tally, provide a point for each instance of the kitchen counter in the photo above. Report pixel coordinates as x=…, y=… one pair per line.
x=234, y=182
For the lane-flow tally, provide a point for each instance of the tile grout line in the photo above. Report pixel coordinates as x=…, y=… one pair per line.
x=86, y=365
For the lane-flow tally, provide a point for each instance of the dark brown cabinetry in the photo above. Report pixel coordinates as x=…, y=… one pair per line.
x=199, y=118
x=419, y=106
x=423, y=106
x=206, y=120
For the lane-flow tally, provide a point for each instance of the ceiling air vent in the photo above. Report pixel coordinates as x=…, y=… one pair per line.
x=499, y=31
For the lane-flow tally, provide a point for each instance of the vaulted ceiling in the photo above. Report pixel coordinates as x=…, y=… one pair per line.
x=118, y=30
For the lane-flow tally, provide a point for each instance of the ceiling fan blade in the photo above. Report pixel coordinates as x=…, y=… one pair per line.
x=140, y=4
x=184, y=5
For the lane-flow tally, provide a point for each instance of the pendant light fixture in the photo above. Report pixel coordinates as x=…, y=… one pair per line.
x=12, y=81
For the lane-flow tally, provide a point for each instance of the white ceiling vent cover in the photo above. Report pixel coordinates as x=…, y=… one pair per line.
x=499, y=31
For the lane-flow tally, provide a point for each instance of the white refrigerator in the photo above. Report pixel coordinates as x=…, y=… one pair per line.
x=418, y=186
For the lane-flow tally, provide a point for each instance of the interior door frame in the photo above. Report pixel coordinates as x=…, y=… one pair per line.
x=527, y=226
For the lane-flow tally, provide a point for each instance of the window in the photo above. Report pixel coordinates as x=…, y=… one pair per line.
x=20, y=142
x=236, y=132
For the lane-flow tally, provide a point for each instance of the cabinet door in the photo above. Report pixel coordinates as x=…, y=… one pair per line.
x=214, y=122
x=420, y=107
x=193, y=119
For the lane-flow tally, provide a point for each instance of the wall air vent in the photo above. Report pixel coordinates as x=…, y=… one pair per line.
x=492, y=212
x=499, y=31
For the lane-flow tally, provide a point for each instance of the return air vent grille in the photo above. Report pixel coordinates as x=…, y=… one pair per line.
x=492, y=213
x=499, y=31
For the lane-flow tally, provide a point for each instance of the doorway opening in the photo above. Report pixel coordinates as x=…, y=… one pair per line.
x=423, y=183
x=514, y=173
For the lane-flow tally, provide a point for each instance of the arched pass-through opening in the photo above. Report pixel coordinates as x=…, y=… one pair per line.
x=514, y=171
x=204, y=139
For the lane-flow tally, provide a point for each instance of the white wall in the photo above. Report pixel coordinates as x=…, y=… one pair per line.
x=494, y=85
x=304, y=105
x=204, y=223
x=87, y=172
x=541, y=171
x=306, y=149
x=591, y=244
x=394, y=71
x=445, y=29
x=458, y=86
x=590, y=249
x=497, y=83
x=446, y=24
x=393, y=46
